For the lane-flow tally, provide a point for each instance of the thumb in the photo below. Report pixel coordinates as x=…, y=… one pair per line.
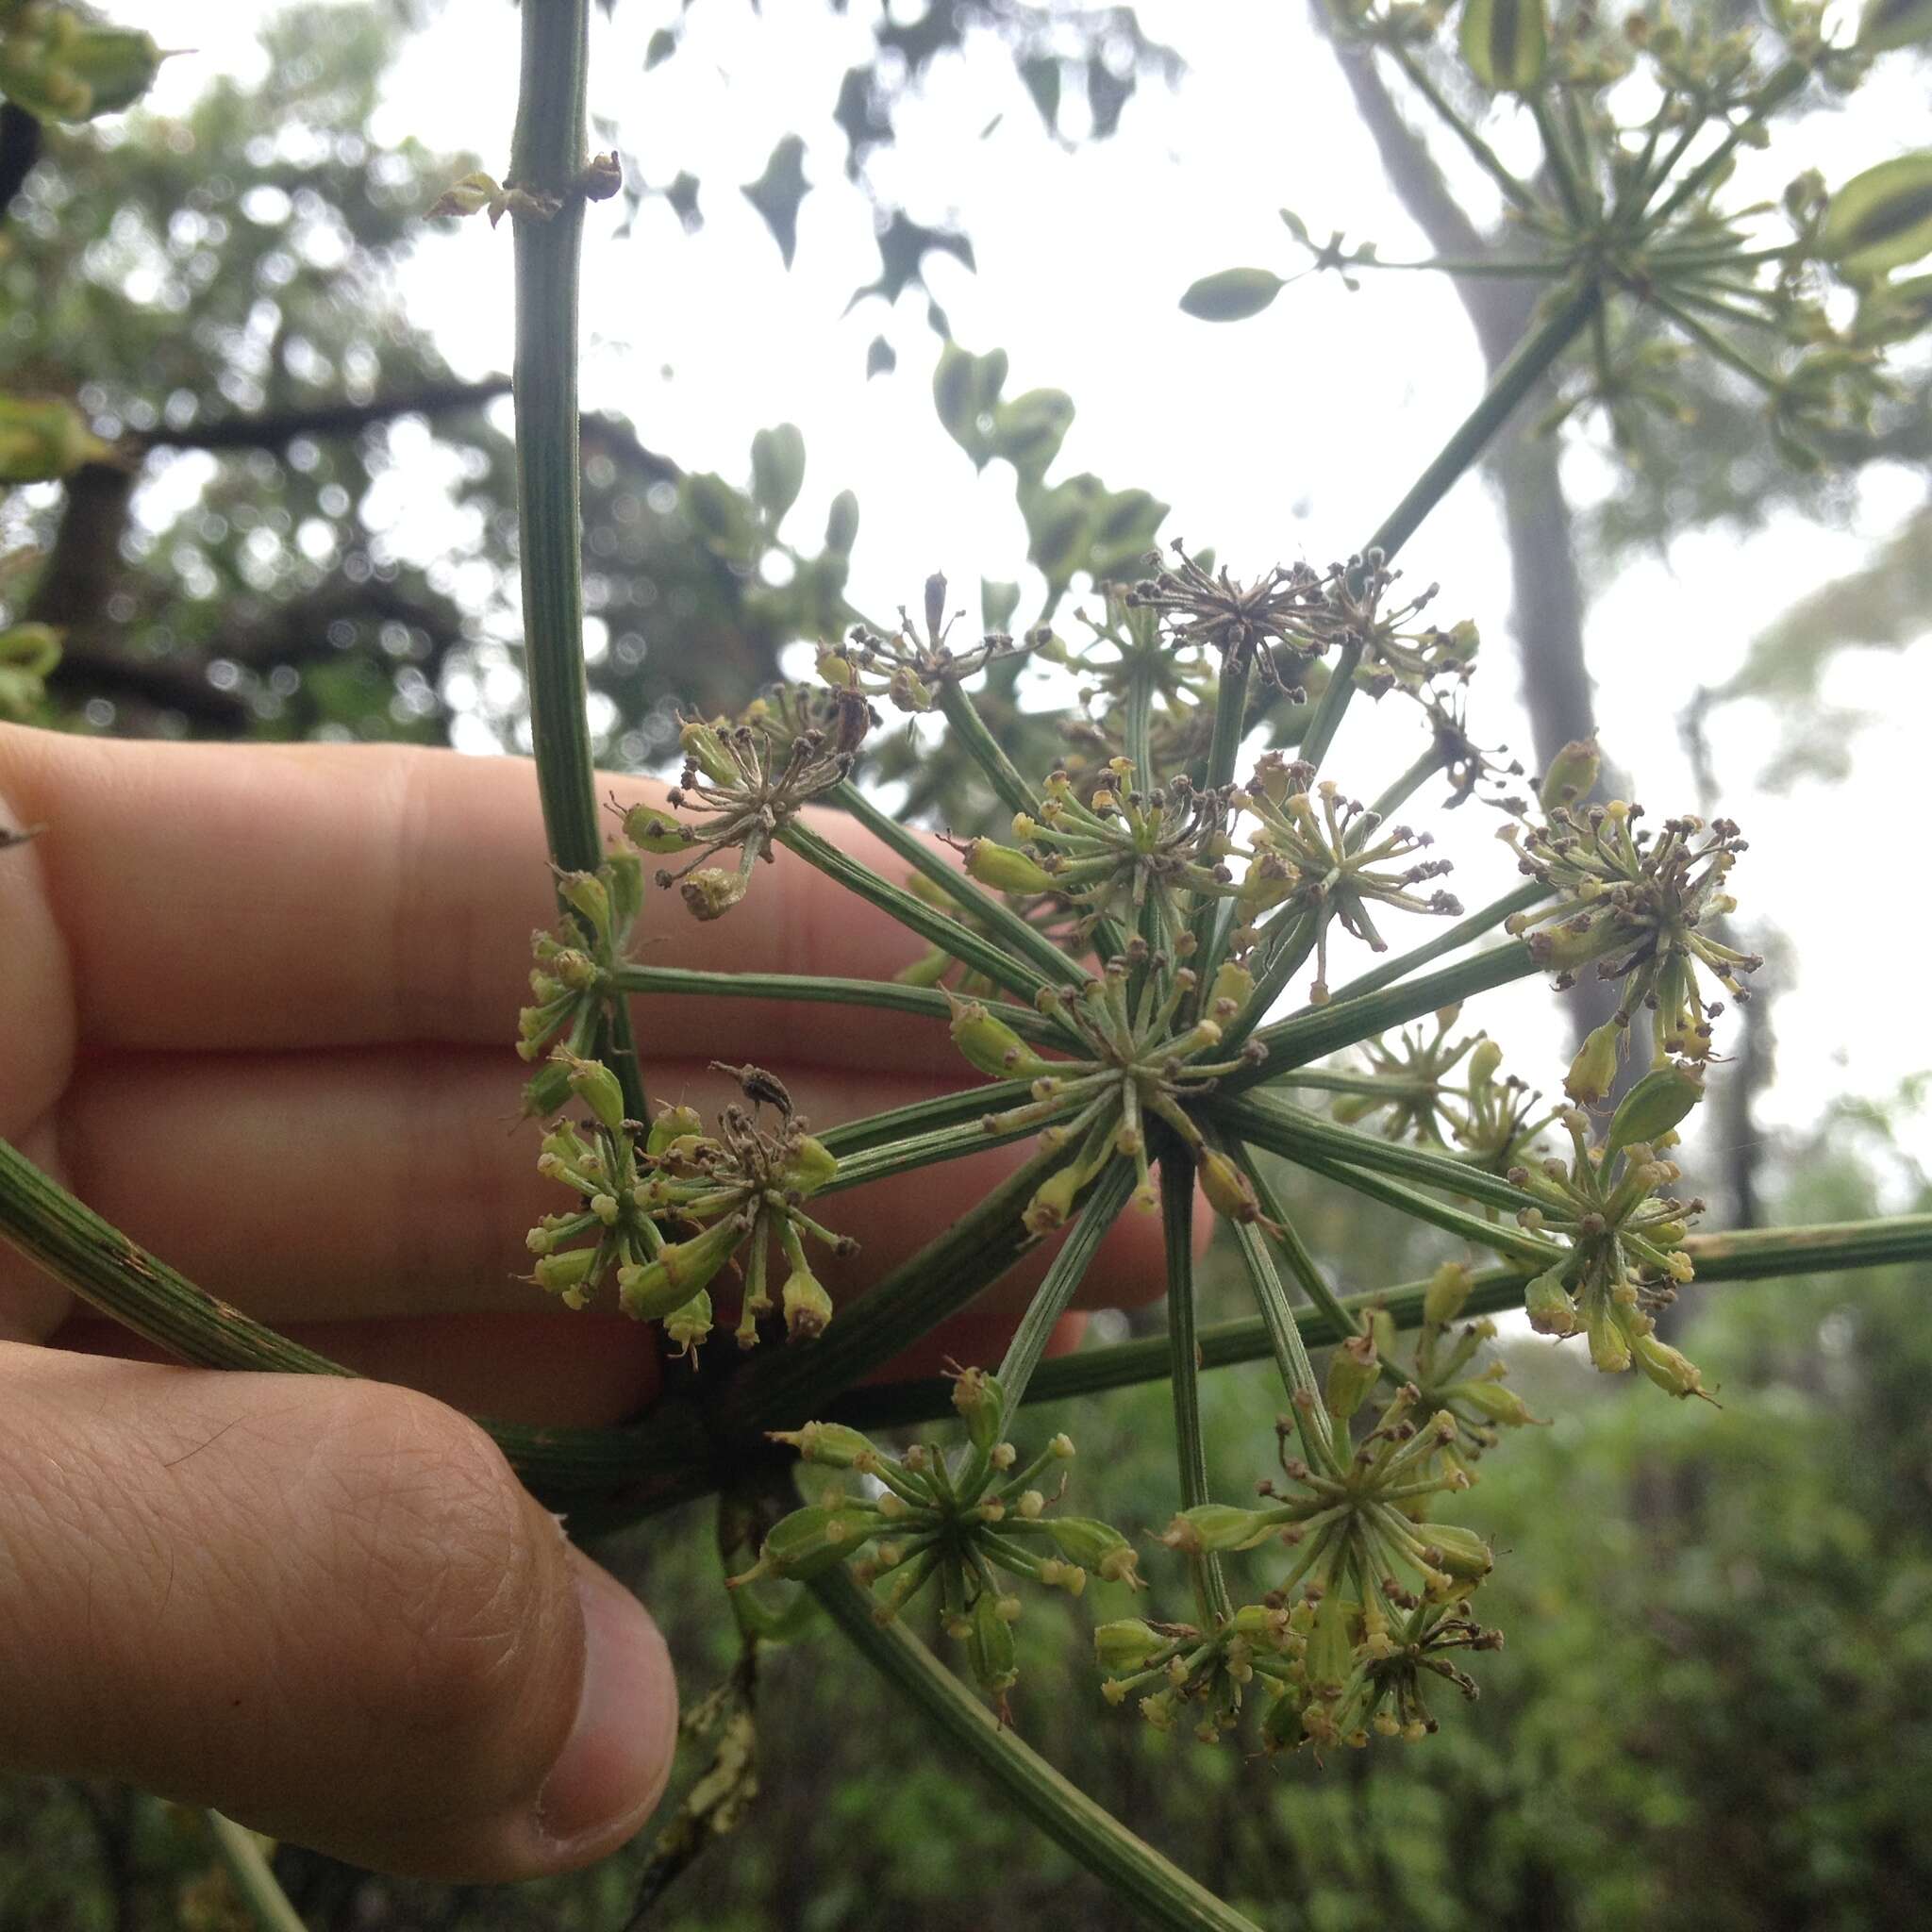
x=325, y=1607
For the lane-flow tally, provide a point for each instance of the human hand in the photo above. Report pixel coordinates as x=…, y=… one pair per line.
x=255, y=1008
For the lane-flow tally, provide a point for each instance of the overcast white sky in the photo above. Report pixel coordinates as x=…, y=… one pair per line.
x=1290, y=435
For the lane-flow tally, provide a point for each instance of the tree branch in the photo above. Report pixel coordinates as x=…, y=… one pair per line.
x=280, y=428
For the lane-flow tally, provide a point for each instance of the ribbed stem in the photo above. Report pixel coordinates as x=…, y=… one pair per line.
x=250, y=1876
x=1158, y=1892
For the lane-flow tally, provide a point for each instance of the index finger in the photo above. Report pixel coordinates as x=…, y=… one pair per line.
x=269, y=896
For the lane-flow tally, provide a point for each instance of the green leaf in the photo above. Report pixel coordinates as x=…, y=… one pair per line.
x=1894, y=23
x=1028, y=431
x=1506, y=43
x=1124, y=531
x=1881, y=219
x=966, y=393
x=1296, y=226
x=1233, y=295
x=1056, y=524
x=778, y=190
x=778, y=470
x=659, y=48
x=841, y=524
x=881, y=358
x=1043, y=78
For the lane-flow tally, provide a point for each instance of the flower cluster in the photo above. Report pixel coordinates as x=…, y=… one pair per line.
x=956, y=1526
x=736, y=1192
x=905, y=668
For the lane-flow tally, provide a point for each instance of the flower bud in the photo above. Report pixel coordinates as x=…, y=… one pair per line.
x=1449, y=1288
x=1234, y=987
x=1005, y=867
x=1655, y=1106
x=1126, y=1644
x=650, y=1291
x=807, y=1306
x=981, y=1404
x=1212, y=1527
x=1099, y=1547
x=653, y=829
x=1572, y=774
x=831, y=1445
x=1609, y=1342
x=711, y=892
x=1593, y=1072
x=1484, y=1062
x=1352, y=1371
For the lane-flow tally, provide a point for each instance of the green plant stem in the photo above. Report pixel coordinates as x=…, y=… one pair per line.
x=1326, y=1029
x=1183, y=1373
x=1055, y=1294
x=1570, y=186
x=1532, y=892
x=111, y=1273
x=1485, y=155
x=1502, y=1235
x=985, y=750
x=887, y=995
x=1785, y=82
x=648, y=1468
x=947, y=871
x=1332, y=705
x=916, y=1151
x=1301, y=1263
x=250, y=1876
x=1284, y=1128
x=547, y=158
x=932, y=926
x=1146, y=1883
x=923, y=1117
x=1396, y=795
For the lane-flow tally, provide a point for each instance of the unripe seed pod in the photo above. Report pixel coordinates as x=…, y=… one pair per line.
x=1233, y=984
x=568, y=1274
x=1005, y=867
x=1494, y=1403
x=1213, y=1526
x=650, y=1291
x=706, y=750
x=1448, y=1290
x=1126, y=1643
x=654, y=829
x=596, y=1086
x=989, y=1045
x=1549, y=1306
x=1229, y=1190
x=807, y=1306
x=812, y=1540
x=1672, y=1372
x=711, y=892
x=1572, y=774
x=1099, y=1547
x=990, y=1646
x=1458, y=1552
x=1352, y=1371
x=831, y=1445
x=1593, y=1072
x=673, y=1123
x=1657, y=1105
x=1053, y=1201
x=1484, y=1062
x=1609, y=1342
x=813, y=1165
x=837, y=671
x=685, y=1327
x=981, y=1405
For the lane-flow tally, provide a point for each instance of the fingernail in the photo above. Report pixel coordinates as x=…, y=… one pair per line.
x=613, y=1769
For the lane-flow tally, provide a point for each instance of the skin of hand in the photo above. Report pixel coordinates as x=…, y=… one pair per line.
x=255, y=1008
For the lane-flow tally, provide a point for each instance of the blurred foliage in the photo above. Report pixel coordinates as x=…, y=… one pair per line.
x=1714, y=1713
